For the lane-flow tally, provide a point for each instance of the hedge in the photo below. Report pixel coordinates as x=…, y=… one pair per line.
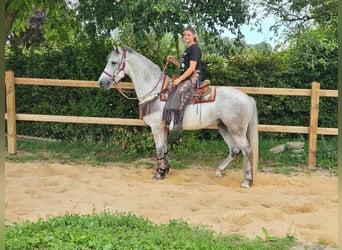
x=86, y=61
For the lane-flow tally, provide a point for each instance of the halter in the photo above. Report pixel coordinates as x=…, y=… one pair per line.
x=121, y=68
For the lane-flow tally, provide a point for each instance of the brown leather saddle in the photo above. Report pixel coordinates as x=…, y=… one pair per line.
x=203, y=89
x=204, y=92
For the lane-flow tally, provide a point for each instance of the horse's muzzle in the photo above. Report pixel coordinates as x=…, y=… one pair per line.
x=104, y=84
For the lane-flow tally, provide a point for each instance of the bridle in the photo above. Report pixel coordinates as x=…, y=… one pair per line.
x=121, y=68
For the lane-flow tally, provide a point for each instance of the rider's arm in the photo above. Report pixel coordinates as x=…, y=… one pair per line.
x=187, y=73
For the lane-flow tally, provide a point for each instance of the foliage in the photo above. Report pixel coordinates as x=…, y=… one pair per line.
x=327, y=150
x=270, y=71
x=52, y=21
x=314, y=56
x=38, y=49
x=298, y=15
x=160, y=17
x=79, y=61
x=85, y=61
x=127, y=231
x=34, y=34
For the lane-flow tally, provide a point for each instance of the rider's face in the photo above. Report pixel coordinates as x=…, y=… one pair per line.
x=188, y=36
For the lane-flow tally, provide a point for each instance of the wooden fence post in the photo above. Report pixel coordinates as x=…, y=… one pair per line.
x=11, y=113
x=314, y=108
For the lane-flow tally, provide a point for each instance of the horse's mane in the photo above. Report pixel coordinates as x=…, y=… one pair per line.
x=150, y=73
x=151, y=65
x=128, y=49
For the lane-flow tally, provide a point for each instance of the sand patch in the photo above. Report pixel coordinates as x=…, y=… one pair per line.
x=304, y=206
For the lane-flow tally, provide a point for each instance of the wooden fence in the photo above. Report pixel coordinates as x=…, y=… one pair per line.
x=313, y=130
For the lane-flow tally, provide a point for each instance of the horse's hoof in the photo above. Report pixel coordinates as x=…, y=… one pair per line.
x=219, y=174
x=158, y=176
x=245, y=184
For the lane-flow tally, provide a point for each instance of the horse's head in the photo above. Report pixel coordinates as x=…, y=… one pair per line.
x=115, y=68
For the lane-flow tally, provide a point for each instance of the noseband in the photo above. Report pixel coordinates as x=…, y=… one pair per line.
x=121, y=68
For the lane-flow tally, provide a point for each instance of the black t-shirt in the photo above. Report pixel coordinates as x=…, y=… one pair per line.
x=192, y=53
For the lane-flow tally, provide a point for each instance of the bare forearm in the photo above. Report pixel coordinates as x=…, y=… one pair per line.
x=187, y=73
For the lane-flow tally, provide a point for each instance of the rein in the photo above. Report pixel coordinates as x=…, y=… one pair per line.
x=121, y=68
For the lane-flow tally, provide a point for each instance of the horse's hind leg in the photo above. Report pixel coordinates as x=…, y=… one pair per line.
x=233, y=149
x=246, y=152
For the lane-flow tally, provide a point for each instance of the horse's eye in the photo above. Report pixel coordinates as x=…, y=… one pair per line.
x=113, y=63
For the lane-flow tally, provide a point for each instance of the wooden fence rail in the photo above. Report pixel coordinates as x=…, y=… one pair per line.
x=313, y=130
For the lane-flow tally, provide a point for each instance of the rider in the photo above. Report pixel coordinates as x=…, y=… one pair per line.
x=185, y=85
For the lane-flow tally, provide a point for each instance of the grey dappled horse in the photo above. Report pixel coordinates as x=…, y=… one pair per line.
x=234, y=112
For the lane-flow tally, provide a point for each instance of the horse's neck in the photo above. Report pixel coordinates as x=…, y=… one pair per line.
x=145, y=75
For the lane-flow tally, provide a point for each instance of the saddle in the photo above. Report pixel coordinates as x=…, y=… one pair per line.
x=203, y=89
x=204, y=92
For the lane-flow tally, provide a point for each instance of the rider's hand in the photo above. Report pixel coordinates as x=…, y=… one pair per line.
x=176, y=82
x=171, y=59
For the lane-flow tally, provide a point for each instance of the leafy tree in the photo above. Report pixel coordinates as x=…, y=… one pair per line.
x=314, y=57
x=161, y=17
x=263, y=47
x=297, y=15
x=34, y=33
x=151, y=28
x=35, y=21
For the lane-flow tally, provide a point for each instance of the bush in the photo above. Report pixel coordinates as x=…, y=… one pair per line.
x=81, y=61
x=86, y=61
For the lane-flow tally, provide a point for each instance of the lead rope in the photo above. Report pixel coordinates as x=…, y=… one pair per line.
x=122, y=92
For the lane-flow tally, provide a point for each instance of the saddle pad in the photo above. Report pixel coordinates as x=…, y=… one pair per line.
x=210, y=97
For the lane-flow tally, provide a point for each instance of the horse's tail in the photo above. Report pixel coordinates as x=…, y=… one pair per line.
x=253, y=137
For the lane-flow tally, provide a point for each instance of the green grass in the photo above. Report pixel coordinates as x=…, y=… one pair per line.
x=184, y=151
x=127, y=231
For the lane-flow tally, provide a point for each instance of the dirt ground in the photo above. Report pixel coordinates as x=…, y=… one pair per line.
x=303, y=206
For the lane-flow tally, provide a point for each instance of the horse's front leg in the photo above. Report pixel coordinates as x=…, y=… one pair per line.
x=160, y=139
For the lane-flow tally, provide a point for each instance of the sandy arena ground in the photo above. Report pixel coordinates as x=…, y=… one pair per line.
x=303, y=206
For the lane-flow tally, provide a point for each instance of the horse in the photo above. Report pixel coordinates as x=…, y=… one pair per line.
x=233, y=112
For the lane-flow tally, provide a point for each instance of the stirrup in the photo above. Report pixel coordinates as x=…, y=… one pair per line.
x=172, y=124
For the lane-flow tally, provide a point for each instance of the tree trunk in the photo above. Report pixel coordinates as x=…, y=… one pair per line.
x=9, y=20
x=177, y=46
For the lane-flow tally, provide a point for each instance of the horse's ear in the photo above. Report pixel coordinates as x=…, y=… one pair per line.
x=116, y=48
